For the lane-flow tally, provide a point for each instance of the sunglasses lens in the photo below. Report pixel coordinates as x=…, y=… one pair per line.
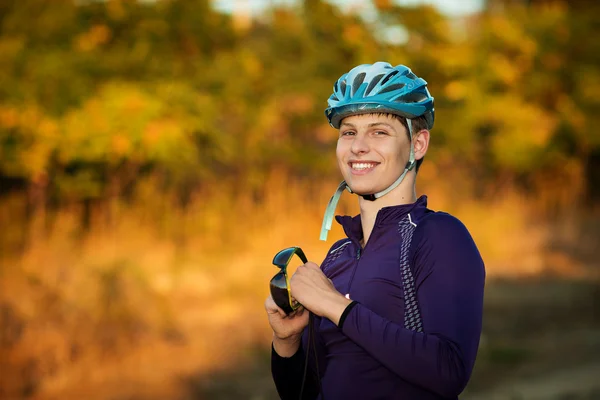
x=279, y=292
x=279, y=281
x=282, y=258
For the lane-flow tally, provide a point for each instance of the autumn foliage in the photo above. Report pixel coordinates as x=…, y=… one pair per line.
x=155, y=154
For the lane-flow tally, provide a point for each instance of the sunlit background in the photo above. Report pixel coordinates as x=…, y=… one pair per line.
x=155, y=155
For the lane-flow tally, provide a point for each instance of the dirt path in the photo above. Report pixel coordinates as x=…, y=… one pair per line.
x=542, y=342
x=576, y=383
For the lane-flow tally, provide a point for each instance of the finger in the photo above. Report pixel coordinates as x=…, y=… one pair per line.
x=312, y=265
x=273, y=308
x=297, y=312
x=270, y=305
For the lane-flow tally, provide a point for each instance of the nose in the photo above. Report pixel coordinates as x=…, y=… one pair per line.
x=359, y=144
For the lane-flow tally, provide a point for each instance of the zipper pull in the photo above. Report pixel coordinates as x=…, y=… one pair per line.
x=358, y=254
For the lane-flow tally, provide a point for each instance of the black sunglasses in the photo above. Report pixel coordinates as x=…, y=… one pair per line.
x=280, y=283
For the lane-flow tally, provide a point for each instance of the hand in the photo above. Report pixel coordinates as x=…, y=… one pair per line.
x=287, y=329
x=317, y=293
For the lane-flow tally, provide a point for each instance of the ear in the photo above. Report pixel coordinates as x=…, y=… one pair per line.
x=421, y=143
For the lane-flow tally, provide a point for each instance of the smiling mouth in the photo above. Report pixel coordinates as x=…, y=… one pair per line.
x=362, y=166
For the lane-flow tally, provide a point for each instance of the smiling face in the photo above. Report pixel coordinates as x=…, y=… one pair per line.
x=372, y=151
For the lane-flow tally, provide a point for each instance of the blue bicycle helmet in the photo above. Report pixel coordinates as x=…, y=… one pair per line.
x=379, y=88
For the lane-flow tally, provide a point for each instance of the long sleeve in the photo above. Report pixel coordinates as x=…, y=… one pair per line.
x=449, y=275
x=287, y=375
x=288, y=372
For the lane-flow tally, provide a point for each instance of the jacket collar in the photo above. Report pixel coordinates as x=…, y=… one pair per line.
x=386, y=216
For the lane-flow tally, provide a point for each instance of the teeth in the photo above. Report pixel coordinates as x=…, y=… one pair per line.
x=361, y=166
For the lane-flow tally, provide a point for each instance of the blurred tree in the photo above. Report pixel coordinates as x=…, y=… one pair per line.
x=94, y=95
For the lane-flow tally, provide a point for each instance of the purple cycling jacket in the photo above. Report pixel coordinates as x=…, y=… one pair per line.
x=412, y=331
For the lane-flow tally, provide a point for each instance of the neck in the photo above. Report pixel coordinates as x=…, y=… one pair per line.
x=405, y=193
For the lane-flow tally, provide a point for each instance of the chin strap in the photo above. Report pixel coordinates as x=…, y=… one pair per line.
x=330, y=210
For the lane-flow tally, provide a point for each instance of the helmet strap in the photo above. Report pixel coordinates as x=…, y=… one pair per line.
x=330, y=210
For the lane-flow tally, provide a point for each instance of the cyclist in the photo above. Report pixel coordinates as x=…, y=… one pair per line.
x=398, y=302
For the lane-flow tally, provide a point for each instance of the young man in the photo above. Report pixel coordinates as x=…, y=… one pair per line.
x=398, y=303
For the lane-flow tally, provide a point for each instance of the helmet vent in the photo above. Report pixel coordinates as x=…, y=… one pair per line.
x=391, y=88
x=373, y=83
x=412, y=98
x=389, y=76
x=358, y=81
x=343, y=87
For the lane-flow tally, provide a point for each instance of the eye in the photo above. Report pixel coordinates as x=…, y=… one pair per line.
x=380, y=133
x=347, y=133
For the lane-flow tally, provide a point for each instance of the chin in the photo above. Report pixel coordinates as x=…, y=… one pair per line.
x=362, y=190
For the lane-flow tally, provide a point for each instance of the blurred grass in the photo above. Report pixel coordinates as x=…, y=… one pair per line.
x=155, y=300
